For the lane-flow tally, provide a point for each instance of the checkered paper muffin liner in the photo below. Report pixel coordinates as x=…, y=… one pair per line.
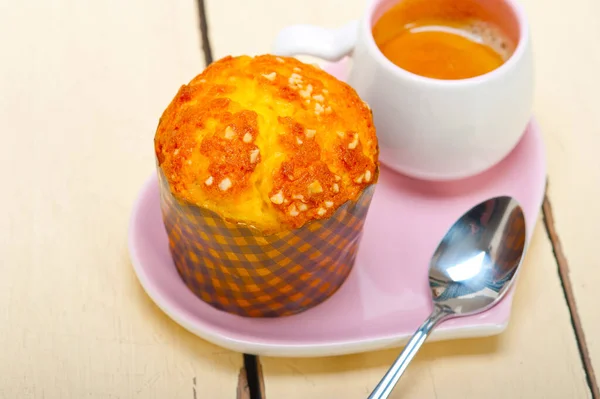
x=237, y=269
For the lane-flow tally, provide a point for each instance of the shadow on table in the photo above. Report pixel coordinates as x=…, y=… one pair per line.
x=383, y=358
x=359, y=373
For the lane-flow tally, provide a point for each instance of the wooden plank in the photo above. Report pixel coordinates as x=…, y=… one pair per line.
x=536, y=357
x=541, y=317
x=83, y=85
x=567, y=109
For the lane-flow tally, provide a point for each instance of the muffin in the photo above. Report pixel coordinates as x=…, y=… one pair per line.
x=267, y=167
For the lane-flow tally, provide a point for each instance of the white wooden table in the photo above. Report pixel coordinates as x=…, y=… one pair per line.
x=81, y=87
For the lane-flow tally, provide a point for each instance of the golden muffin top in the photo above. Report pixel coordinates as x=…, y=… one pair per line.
x=267, y=141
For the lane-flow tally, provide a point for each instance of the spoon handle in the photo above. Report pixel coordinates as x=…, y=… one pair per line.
x=388, y=382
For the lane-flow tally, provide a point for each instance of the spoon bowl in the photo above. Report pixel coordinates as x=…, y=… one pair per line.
x=471, y=270
x=474, y=264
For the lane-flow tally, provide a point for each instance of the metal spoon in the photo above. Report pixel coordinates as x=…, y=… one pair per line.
x=471, y=270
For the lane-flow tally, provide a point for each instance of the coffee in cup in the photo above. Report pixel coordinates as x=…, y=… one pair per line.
x=442, y=39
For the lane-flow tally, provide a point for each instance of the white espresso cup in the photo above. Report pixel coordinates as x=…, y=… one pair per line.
x=431, y=128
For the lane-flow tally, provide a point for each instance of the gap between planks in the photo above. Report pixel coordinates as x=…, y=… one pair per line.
x=250, y=385
x=256, y=385
x=565, y=280
x=204, y=39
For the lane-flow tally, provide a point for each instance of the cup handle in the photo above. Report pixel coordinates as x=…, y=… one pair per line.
x=327, y=44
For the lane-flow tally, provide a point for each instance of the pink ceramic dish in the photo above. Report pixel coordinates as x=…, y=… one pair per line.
x=386, y=296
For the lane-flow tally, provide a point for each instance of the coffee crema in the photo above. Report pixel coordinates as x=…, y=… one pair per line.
x=442, y=39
